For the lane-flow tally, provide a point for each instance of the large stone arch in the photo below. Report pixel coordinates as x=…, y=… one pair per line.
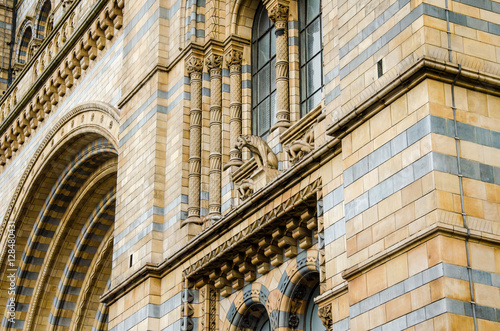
x=241, y=10
x=70, y=184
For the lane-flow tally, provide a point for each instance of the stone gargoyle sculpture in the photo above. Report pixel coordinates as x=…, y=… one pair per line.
x=297, y=149
x=263, y=154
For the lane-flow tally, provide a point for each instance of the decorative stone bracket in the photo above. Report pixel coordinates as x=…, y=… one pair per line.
x=263, y=243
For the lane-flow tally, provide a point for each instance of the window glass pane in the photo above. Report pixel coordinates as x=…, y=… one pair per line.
x=264, y=117
x=263, y=82
x=303, y=48
x=303, y=109
x=273, y=74
x=314, y=100
x=312, y=9
x=254, y=91
x=314, y=75
x=254, y=121
x=303, y=83
x=273, y=108
x=264, y=50
x=313, y=33
x=263, y=22
x=302, y=14
x=273, y=41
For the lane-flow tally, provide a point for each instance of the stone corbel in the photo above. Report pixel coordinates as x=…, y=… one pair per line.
x=258, y=259
x=74, y=65
x=51, y=92
x=66, y=74
x=44, y=101
x=5, y=147
x=107, y=25
x=98, y=35
x=59, y=83
x=115, y=13
x=90, y=46
x=24, y=124
x=12, y=139
x=18, y=133
x=82, y=55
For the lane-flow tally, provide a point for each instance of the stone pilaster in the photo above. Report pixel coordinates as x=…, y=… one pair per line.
x=194, y=66
x=233, y=61
x=214, y=64
x=278, y=13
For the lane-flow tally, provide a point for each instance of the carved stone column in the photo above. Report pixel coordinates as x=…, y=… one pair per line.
x=278, y=13
x=233, y=60
x=214, y=64
x=194, y=66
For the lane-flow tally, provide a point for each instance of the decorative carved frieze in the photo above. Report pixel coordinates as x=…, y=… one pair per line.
x=63, y=77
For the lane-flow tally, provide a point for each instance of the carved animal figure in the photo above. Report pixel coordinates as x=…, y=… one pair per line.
x=264, y=156
x=297, y=149
x=246, y=189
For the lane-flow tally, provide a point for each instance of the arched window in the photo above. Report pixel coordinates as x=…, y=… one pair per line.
x=311, y=55
x=44, y=21
x=23, y=49
x=263, y=73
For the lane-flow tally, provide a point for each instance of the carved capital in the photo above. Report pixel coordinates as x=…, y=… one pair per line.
x=234, y=58
x=194, y=64
x=213, y=61
x=278, y=13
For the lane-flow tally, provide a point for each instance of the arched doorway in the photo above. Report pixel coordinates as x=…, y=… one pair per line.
x=63, y=215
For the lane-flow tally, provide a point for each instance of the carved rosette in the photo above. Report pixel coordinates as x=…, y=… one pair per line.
x=279, y=15
x=234, y=60
x=194, y=67
x=214, y=64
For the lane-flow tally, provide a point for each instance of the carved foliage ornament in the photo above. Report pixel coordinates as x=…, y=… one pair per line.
x=194, y=64
x=278, y=13
x=214, y=61
x=234, y=57
x=325, y=314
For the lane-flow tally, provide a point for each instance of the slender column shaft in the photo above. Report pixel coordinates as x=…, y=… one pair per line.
x=214, y=63
x=279, y=15
x=194, y=68
x=233, y=59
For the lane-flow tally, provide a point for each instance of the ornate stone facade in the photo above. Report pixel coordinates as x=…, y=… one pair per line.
x=138, y=193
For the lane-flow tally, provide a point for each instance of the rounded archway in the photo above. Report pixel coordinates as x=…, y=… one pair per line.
x=63, y=217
